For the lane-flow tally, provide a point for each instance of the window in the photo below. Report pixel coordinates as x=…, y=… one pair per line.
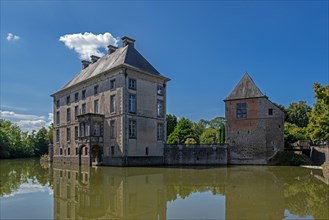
x=96, y=130
x=61, y=151
x=57, y=135
x=57, y=118
x=160, y=90
x=68, y=151
x=68, y=134
x=132, y=103
x=68, y=115
x=57, y=103
x=112, y=84
x=112, y=102
x=241, y=110
x=86, y=151
x=76, y=132
x=112, y=150
x=76, y=96
x=132, y=128
x=132, y=84
x=83, y=108
x=270, y=111
x=76, y=151
x=82, y=129
x=160, y=108
x=146, y=151
x=76, y=112
x=83, y=94
x=68, y=100
x=160, y=131
x=96, y=89
x=96, y=106
x=112, y=129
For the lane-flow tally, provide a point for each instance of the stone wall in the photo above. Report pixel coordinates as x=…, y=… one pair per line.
x=319, y=155
x=195, y=155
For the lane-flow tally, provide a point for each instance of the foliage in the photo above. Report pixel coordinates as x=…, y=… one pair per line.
x=171, y=123
x=318, y=127
x=190, y=141
x=221, y=135
x=293, y=133
x=15, y=143
x=289, y=158
x=297, y=113
x=198, y=129
x=182, y=131
x=209, y=136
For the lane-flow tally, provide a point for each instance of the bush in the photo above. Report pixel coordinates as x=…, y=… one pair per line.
x=289, y=158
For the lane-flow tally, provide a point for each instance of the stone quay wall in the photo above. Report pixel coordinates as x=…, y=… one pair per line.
x=190, y=155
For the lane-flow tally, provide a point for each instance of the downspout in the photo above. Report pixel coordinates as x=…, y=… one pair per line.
x=125, y=120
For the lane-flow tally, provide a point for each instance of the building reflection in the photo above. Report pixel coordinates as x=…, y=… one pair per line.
x=144, y=193
x=103, y=193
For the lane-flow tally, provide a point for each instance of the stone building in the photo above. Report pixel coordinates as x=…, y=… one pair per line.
x=254, y=129
x=112, y=112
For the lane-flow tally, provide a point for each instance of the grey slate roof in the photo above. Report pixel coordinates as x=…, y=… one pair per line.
x=246, y=88
x=125, y=55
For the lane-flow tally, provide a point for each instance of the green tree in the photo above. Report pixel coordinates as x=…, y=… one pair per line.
x=41, y=142
x=318, y=127
x=297, y=113
x=217, y=122
x=198, y=129
x=221, y=135
x=293, y=133
x=182, y=131
x=209, y=136
x=171, y=123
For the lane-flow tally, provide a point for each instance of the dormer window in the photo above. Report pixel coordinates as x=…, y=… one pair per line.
x=159, y=90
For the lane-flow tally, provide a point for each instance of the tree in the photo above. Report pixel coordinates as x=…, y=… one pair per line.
x=198, y=129
x=171, y=123
x=209, y=136
x=41, y=142
x=318, y=127
x=293, y=133
x=217, y=122
x=297, y=113
x=221, y=135
x=182, y=131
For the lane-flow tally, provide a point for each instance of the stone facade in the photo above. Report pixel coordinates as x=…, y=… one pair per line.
x=111, y=112
x=175, y=155
x=254, y=129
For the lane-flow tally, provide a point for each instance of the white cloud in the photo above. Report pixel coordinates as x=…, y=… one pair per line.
x=88, y=44
x=27, y=122
x=12, y=37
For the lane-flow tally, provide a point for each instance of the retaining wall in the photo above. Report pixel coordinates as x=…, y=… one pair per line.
x=195, y=155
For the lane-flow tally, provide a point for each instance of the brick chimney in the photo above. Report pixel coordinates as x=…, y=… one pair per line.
x=127, y=41
x=94, y=58
x=111, y=48
x=85, y=63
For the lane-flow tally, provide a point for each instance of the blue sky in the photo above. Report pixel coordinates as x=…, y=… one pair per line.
x=205, y=47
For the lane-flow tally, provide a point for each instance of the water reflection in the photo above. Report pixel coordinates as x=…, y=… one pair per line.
x=144, y=193
x=244, y=192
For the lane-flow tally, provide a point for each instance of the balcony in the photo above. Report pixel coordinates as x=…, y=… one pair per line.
x=91, y=128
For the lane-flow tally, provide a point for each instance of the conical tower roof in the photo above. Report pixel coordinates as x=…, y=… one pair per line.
x=246, y=88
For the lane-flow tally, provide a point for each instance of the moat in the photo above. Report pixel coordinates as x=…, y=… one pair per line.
x=31, y=191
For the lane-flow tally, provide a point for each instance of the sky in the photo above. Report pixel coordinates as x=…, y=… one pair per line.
x=204, y=47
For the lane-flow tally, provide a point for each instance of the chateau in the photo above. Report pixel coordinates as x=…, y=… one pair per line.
x=112, y=112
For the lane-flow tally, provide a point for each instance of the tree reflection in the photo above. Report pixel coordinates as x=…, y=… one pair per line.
x=13, y=173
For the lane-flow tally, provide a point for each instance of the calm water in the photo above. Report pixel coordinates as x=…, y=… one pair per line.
x=30, y=191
